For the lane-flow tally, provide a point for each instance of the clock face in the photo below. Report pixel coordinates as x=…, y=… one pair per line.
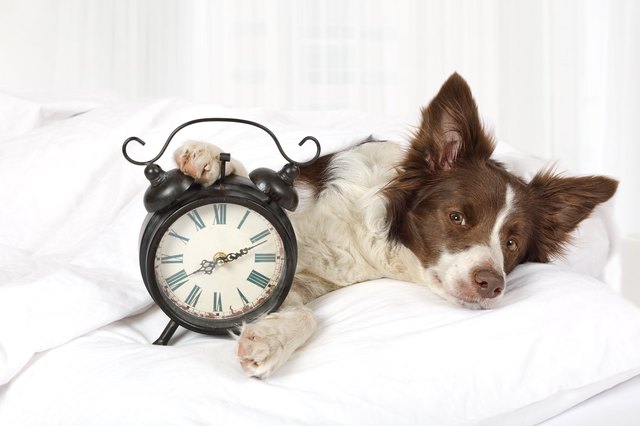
x=219, y=261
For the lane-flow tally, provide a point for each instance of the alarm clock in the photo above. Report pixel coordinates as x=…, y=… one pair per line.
x=215, y=257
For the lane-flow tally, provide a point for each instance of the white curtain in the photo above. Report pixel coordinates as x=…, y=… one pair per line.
x=555, y=78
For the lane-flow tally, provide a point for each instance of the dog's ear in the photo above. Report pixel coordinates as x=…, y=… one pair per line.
x=450, y=132
x=558, y=205
x=451, y=129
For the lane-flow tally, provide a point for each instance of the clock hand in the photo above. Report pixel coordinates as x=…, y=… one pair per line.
x=233, y=256
x=206, y=266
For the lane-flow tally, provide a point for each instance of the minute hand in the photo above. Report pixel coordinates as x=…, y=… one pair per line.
x=233, y=256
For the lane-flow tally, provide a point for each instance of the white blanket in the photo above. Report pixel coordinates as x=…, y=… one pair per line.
x=75, y=318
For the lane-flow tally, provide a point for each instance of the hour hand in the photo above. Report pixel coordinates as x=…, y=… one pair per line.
x=206, y=266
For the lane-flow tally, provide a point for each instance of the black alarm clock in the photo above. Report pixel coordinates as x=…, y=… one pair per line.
x=219, y=256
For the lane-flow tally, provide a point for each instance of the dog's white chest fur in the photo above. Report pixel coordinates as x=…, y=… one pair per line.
x=342, y=231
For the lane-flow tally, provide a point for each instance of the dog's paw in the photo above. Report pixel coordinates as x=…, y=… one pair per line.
x=267, y=344
x=260, y=350
x=200, y=160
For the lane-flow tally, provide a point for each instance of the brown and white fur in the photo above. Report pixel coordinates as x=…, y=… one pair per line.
x=439, y=213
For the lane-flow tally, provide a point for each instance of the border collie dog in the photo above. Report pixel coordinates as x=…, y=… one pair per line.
x=439, y=213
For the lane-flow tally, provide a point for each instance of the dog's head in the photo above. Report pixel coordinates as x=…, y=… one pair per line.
x=467, y=219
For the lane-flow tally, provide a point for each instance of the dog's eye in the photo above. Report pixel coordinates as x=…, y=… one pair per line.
x=512, y=244
x=457, y=218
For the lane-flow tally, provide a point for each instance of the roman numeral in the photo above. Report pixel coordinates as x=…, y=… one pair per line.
x=220, y=211
x=258, y=279
x=259, y=236
x=245, y=301
x=174, y=258
x=265, y=257
x=192, y=298
x=174, y=234
x=195, y=217
x=217, y=302
x=243, y=219
x=176, y=280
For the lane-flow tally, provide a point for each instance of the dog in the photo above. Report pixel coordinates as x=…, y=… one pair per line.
x=439, y=213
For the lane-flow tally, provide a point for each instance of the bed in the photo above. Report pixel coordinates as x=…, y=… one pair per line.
x=76, y=323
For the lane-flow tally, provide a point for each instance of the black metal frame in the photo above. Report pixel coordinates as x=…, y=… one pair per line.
x=236, y=190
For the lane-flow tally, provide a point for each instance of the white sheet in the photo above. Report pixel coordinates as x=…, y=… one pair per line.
x=386, y=351
x=618, y=406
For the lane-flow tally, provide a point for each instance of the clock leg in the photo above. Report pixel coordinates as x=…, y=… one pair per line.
x=167, y=333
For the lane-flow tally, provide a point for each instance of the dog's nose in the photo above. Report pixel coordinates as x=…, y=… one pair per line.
x=488, y=282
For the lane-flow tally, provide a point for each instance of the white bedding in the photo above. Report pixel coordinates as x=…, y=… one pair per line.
x=76, y=320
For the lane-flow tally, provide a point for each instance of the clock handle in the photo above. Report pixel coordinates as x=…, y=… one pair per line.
x=218, y=119
x=167, y=334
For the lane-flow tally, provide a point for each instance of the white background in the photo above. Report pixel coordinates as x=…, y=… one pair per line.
x=555, y=78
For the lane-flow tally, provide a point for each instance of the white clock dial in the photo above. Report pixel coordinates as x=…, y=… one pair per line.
x=219, y=261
